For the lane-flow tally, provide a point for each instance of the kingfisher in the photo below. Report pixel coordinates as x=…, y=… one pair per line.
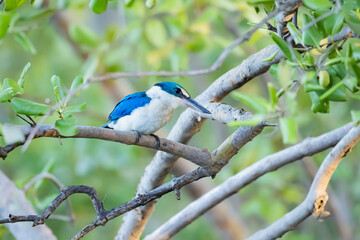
x=147, y=112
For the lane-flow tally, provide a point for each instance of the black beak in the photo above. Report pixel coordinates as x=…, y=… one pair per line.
x=195, y=105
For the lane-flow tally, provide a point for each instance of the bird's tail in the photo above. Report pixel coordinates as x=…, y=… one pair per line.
x=105, y=126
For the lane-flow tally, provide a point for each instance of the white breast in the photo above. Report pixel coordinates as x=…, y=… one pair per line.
x=150, y=118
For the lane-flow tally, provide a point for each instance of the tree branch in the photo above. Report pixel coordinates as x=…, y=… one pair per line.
x=218, y=159
x=220, y=112
x=315, y=201
x=232, y=185
x=193, y=154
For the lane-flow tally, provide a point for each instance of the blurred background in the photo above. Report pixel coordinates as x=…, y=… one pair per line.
x=173, y=36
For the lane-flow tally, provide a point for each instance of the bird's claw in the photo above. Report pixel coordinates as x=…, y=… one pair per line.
x=138, y=136
x=157, y=140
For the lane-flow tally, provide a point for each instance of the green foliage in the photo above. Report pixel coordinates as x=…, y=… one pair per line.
x=289, y=130
x=67, y=126
x=98, y=6
x=26, y=107
x=5, y=19
x=173, y=36
x=317, y=4
x=83, y=36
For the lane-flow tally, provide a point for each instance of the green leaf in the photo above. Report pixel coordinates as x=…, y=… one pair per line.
x=12, y=134
x=10, y=83
x=129, y=3
x=284, y=46
x=295, y=33
x=98, y=6
x=83, y=35
x=150, y=3
x=330, y=91
x=317, y=4
x=25, y=42
x=318, y=105
x=5, y=19
x=310, y=35
x=67, y=126
x=351, y=83
x=58, y=88
x=288, y=128
x=155, y=33
x=271, y=57
x=22, y=76
x=333, y=61
x=5, y=94
x=272, y=96
x=259, y=104
x=312, y=87
x=353, y=21
x=355, y=116
x=78, y=80
x=76, y=108
x=10, y=4
x=339, y=22
x=36, y=15
x=256, y=2
x=26, y=107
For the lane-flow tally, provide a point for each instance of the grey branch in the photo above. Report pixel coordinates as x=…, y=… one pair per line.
x=315, y=201
x=219, y=158
x=232, y=185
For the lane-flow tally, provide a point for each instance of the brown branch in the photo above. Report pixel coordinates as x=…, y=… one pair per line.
x=64, y=194
x=193, y=154
x=232, y=185
x=317, y=197
x=220, y=157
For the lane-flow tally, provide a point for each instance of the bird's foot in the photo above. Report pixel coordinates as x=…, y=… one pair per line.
x=138, y=136
x=157, y=140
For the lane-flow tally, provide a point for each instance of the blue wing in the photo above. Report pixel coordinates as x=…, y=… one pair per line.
x=129, y=104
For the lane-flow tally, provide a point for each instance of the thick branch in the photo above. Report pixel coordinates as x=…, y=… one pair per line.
x=316, y=199
x=193, y=154
x=232, y=185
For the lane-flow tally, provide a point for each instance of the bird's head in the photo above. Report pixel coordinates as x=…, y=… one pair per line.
x=176, y=94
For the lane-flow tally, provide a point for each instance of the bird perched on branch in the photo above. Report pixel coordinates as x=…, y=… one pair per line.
x=146, y=112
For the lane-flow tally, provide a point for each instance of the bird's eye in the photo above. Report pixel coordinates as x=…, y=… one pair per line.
x=177, y=90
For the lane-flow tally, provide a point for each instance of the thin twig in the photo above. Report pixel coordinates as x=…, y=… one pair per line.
x=19, y=116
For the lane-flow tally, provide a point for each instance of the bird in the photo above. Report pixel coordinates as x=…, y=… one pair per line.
x=148, y=111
